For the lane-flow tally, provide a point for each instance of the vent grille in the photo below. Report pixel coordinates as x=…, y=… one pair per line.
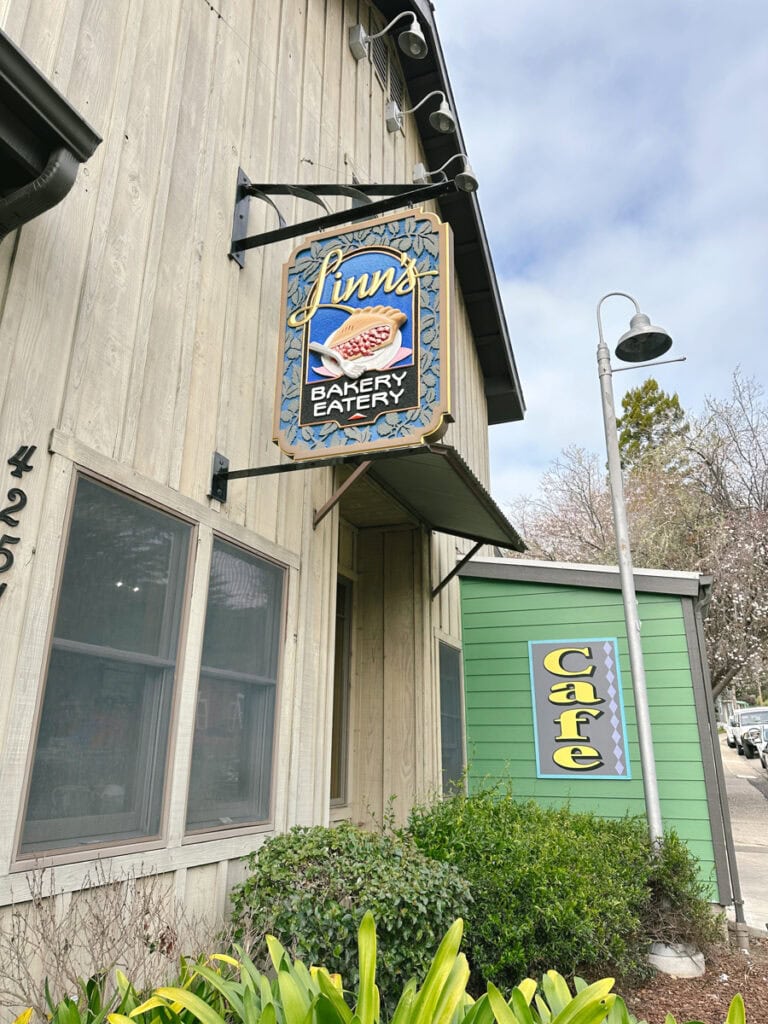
x=380, y=58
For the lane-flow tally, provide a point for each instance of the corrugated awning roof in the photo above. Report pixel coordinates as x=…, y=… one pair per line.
x=434, y=486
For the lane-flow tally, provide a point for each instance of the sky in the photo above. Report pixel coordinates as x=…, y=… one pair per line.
x=620, y=145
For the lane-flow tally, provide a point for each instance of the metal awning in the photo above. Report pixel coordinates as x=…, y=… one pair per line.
x=427, y=484
x=434, y=486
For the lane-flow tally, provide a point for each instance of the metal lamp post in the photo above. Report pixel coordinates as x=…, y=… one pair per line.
x=641, y=342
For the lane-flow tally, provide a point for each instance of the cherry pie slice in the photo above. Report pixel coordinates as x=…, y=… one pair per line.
x=366, y=331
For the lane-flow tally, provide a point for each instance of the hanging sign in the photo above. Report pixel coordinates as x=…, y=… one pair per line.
x=578, y=709
x=364, y=362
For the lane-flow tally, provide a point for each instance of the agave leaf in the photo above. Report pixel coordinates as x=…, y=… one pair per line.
x=620, y=1014
x=295, y=1003
x=736, y=1014
x=153, y=1003
x=268, y=1015
x=227, y=988
x=438, y=973
x=334, y=993
x=669, y=1019
x=366, y=944
x=528, y=988
x=520, y=1007
x=479, y=1013
x=596, y=1012
x=24, y=1017
x=189, y=1001
x=113, y=1018
x=225, y=959
x=326, y=1011
x=543, y=1010
x=453, y=991
x=502, y=1011
x=405, y=1003
x=556, y=991
x=590, y=1000
x=276, y=951
x=251, y=1012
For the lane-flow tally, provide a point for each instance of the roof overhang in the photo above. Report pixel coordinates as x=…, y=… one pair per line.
x=600, y=577
x=43, y=140
x=472, y=255
x=433, y=486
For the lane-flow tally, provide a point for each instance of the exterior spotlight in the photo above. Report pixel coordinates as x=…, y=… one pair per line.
x=411, y=40
x=442, y=120
x=465, y=180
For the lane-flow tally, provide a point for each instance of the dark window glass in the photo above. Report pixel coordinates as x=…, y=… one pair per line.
x=341, y=666
x=230, y=781
x=451, y=719
x=100, y=753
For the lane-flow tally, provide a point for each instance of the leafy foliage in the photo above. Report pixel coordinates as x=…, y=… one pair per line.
x=310, y=887
x=222, y=989
x=554, y=888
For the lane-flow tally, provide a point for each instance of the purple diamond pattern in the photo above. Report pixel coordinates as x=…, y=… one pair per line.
x=618, y=750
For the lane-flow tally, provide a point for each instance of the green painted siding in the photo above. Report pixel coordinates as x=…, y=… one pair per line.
x=499, y=617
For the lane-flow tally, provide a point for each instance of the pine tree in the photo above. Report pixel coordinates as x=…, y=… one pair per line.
x=652, y=419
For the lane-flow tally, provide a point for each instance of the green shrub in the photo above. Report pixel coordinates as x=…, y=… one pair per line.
x=311, y=887
x=551, y=888
x=677, y=909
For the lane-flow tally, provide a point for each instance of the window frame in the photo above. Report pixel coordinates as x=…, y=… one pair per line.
x=21, y=859
x=204, y=833
x=171, y=849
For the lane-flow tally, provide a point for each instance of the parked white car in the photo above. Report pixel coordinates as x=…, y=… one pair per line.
x=744, y=729
x=762, y=746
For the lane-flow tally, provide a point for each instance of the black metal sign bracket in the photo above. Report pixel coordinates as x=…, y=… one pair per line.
x=363, y=207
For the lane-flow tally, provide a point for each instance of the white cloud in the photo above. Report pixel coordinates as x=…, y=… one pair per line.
x=618, y=146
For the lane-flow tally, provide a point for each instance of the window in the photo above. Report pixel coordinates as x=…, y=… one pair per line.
x=230, y=779
x=451, y=719
x=341, y=666
x=101, y=749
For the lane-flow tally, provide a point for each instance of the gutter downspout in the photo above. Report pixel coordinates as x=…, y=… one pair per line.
x=48, y=189
x=741, y=930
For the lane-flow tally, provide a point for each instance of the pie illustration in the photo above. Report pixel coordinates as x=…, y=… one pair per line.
x=366, y=331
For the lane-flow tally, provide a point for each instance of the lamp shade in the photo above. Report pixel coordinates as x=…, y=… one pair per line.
x=442, y=119
x=465, y=180
x=643, y=341
x=412, y=42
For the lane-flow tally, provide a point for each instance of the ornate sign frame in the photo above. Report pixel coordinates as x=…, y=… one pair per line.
x=365, y=359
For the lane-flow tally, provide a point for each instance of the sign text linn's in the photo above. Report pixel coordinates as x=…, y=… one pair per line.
x=578, y=709
x=365, y=358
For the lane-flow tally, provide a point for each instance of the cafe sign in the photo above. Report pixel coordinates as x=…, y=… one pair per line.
x=364, y=358
x=578, y=709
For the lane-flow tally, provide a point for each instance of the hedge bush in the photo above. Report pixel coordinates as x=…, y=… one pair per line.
x=311, y=887
x=555, y=889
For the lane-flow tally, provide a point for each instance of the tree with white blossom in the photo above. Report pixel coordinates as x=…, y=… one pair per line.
x=697, y=500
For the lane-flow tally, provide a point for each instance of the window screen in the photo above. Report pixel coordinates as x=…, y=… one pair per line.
x=451, y=719
x=100, y=753
x=230, y=780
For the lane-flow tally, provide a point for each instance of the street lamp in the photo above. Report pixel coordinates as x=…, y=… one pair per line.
x=641, y=342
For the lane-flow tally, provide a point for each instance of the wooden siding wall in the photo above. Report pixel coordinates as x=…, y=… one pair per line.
x=500, y=617
x=127, y=331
